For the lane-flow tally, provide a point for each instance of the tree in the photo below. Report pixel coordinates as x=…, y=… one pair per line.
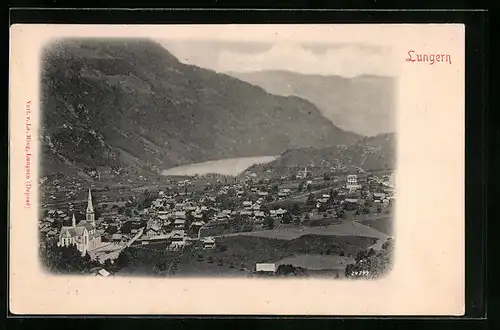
x=123, y=259
x=301, y=186
x=322, y=208
x=268, y=223
x=65, y=259
x=285, y=270
x=189, y=220
x=310, y=200
x=128, y=212
x=275, y=189
x=111, y=230
x=379, y=209
x=361, y=255
x=326, y=177
x=295, y=209
x=287, y=217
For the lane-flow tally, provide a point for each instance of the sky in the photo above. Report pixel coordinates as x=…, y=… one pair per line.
x=342, y=59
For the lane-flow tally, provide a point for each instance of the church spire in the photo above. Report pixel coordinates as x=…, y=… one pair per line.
x=90, y=216
x=73, y=221
x=90, y=208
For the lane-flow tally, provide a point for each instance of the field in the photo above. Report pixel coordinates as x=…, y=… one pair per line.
x=237, y=255
x=347, y=228
x=384, y=224
x=317, y=262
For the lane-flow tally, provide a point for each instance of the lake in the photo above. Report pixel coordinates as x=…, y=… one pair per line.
x=230, y=166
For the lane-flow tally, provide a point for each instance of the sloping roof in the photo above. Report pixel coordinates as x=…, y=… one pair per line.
x=208, y=240
x=104, y=272
x=265, y=267
x=65, y=230
x=85, y=224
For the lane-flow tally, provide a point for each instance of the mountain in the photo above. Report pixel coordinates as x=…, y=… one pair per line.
x=363, y=104
x=376, y=153
x=130, y=104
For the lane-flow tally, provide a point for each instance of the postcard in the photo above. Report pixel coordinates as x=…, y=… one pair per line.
x=237, y=169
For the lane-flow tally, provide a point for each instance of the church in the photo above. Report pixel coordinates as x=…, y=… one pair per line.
x=84, y=234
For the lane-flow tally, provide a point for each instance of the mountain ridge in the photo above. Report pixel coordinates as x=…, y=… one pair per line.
x=363, y=104
x=130, y=104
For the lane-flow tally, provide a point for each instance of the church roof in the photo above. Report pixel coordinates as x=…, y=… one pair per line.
x=86, y=225
x=73, y=232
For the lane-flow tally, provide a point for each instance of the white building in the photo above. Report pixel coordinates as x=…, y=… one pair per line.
x=265, y=267
x=83, y=234
x=352, y=182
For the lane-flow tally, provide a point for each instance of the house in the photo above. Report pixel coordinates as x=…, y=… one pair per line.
x=265, y=267
x=162, y=217
x=280, y=212
x=177, y=240
x=180, y=214
x=262, y=193
x=247, y=203
x=352, y=180
x=103, y=272
x=157, y=203
x=208, y=243
x=116, y=237
x=179, y=223
x=378, y=197
x=197, y=224
x=259, y=214
x=179, y=206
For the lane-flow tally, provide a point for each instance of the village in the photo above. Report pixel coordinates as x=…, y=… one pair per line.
x=198, y=212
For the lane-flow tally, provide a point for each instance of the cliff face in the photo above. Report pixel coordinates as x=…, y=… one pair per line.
x=132, y=104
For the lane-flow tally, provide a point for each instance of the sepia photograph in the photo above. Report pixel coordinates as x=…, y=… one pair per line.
x=239, y=162
x=208, y=158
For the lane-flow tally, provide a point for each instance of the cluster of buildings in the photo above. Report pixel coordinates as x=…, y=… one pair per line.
x=177, y=218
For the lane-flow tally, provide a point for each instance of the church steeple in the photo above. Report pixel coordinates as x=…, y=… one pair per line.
x=90, y=216
x=73, y=221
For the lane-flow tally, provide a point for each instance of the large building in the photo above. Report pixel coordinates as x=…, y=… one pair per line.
x=352, y=182
x=84, y=234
